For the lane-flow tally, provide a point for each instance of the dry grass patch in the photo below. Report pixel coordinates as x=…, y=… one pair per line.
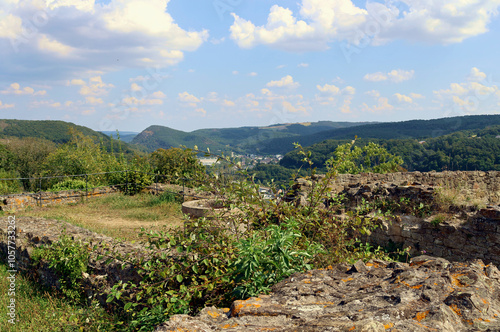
x=117, y=215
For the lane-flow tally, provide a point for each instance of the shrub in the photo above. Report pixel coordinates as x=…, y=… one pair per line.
x=70, y=184
x=266, y=257
x=69, y=258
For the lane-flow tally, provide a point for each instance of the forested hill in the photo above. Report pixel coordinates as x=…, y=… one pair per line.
x=56, y=131
x=242, y=139
x=477, y=149
x=416, y=129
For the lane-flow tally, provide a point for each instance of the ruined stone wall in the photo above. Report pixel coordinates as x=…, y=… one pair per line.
x=469, y=185
x=17, y=202
x=477, y=237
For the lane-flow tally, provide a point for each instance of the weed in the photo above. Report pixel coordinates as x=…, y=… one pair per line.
x=438, y=219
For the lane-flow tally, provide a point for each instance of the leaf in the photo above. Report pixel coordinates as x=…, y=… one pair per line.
x=179, y=278
x=127, y=306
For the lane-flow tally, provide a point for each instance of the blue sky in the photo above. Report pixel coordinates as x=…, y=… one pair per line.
x=129, y=64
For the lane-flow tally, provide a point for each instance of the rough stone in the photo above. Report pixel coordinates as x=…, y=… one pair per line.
x=428, y=294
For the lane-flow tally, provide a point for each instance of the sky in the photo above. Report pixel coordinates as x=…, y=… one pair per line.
x=191, y=64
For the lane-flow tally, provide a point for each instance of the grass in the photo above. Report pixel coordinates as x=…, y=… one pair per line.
x=41, y=310
x=449, y=195
x=116, y=215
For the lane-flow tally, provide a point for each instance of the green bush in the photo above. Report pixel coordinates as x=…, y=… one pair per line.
x=69, y=258
x=266, y=257
x=70, y=184
x=9, y=186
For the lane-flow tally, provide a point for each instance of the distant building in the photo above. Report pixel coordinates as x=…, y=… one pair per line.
x=208, y=161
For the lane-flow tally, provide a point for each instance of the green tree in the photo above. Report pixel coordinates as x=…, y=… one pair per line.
x=176, y=163
x=29, y=155
x=371, y=158
x=81, y=155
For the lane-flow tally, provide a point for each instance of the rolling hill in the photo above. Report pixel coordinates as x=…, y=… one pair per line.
x=242, y=140
x=415, y=129
x=57, y=132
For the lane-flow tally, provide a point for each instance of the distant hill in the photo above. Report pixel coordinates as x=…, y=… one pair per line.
x=472, y=149
x=416, y=129
x=55, y=131
x=242, y=140
x=125, y=136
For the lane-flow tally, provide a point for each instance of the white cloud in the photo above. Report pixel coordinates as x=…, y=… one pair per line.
x=228, y=103
x=346, y=106
x=135, y=87
x=375, y=77
x=11, y=26
x=71, y=36
x=95, y=87
x=416, y=95
x=151, y=19
x=253, y=74
x=159, y=94
x=329, y=89
x=381, y=106
x=76, y=82
x=212, y=97
x=303, y=65
x=286, y=81
x=235, y=72
x=49, y=45
x=320, y=22
x=287, y=106
x=4, y=106
x=475, y=93
x=349, y=90
x=202, y=111
x=15, y=89
x=402, y=98
x=476, y=75
x=188, y=99
x=395, y=75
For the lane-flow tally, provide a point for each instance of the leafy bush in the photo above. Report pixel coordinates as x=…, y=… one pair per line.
x=69, y=258
x=70, y=184
x=269, y=256
x=9, y=186
x=191, y=269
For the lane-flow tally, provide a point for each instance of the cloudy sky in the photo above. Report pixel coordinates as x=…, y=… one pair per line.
x=129, y=64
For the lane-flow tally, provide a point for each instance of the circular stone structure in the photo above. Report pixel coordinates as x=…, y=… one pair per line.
x=201, y=208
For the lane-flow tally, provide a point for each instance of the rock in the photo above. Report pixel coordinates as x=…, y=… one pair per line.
x=491, y=212
x=425, y=295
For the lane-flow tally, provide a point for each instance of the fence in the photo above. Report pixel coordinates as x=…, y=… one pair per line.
x=40, y=191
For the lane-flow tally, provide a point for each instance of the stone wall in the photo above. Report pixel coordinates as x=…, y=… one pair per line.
x=454, y=238
x=103, y=272
x=17, y=202
x=468, y=185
